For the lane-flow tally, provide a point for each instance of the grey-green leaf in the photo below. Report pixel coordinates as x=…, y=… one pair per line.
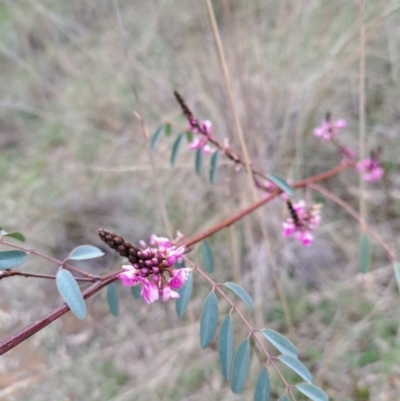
x=71, y=293
x=314, y=393
x=208, y=320
x=189, y=136
x=281, y=183
x=284, y=398
x=112, y=298
x=198, y=161
x=16, y=235
x=241, y=293
x=208, y=257
x=84, y=252
x=396, y=267
x=136, y=290
x=168, y=130
x=176, y=148
x=10, y=259
x=240, y=366
x=280, y=342
x=156, y=137
x=364, y=253
x=297, y=366
x=185, y=293
x=214, y=166
x=225, y=346
x=263, y=386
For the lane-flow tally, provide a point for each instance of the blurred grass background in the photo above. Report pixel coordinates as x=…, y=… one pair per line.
x=73, y=159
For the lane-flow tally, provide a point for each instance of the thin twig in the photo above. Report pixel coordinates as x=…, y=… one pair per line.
x=10, y=273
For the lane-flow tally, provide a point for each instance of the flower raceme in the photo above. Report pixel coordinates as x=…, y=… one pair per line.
x=153, y=270
x=328, y=130
x=203, y=128
x=370, y=169
x=302, y=222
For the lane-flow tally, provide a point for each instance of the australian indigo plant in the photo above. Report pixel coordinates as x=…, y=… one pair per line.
x=162, y=269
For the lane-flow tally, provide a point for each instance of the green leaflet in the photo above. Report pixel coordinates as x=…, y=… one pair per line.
x=263, y=386
x=281, y=183
x=240, y=366
x=112, y=298
x=185, y=293
x=364, y=253
x=71, y=293
x=10, y=259
x=208, y=320
x=176, y=148
x=225, y=346
x=208, y=257
x=314, y=393
x=84, y=252
x=241, y=293
x=198, y=162
x=156, y=137
x=280, y=342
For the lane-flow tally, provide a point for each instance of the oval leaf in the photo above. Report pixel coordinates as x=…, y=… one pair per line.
x=85, y=252
x=280, y=342
x=71, y=293
x=312, y=392
x=240, y=366
x=364, y=253
x=176, y=148
x=396, y=267
x=185, y=293
x=263, y=386
x=189, y=136
x=136, y=290
x=112, y=298
x=214, y=166
x=225, y=346
x=16, y=235
x=208, y=320
x=199, y=161
x=208, y=257
x=281, y=184
x=298, y=367
x=156, y=137
x=10, y=259
x=168, y=129
x=241, y=293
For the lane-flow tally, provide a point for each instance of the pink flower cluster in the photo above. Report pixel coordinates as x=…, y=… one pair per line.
x=303, y=221
x=154, y=271
x=206, y=133
x=370, y=169
x=329, y=130
x=269, y=187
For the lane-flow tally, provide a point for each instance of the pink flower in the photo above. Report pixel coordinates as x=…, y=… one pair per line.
x=302, y=222
x=152, y=270
x=179, y=278
x=370, y=169
x=348, y=154
x=201, y=143
x=327, y=130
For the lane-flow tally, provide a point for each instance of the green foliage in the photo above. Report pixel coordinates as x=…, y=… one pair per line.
x=241, y=293
x=281, y=183
x=225, y=346
x=240, y=367
x=71, y=293
x=280, y=342
x=176, y=148
x=208, y=320
x=198, y=161
x=208, y=257
x=263, y=386
x=168, y=130
x=155, y=138
x=135, y=290
x=185, y=293
x=84, y=252
x=112, y=298
x=10, y=259
x=16, y=235
x=297, y=366
x=214, y=166
x=314, y=393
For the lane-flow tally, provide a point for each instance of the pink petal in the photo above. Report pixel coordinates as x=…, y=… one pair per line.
x=340, y=123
